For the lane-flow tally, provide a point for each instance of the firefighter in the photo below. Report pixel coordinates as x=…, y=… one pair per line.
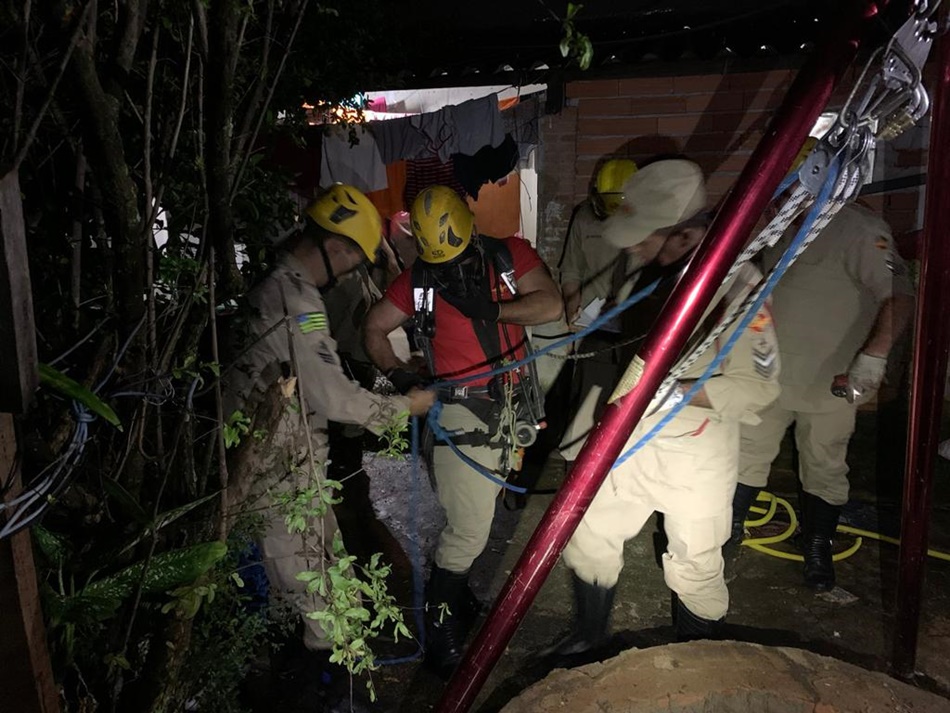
x=853, y=277
x=469, y=297
x=586, y=271
x=687, y=471
x=288, y=381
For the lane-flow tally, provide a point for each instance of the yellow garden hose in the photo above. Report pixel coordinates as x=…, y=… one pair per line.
x=762, y=544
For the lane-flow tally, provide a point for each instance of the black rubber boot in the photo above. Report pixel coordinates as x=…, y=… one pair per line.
x=447, y=604
x=819, y=523
x=690, y=627
x=592, y=606
x=741, y=502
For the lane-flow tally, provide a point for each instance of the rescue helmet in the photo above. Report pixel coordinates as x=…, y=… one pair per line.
x=807, y=146
x=442, y=224
x=345, y=210
x=608, y=185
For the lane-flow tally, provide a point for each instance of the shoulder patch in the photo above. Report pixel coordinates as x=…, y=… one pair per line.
x=760, y=321
x=312, y=322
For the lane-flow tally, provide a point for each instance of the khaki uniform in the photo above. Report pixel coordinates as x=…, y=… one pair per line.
x=467, y=497
x=590, y=261
x=687, y=471
x=289, y=337
x=824, y=307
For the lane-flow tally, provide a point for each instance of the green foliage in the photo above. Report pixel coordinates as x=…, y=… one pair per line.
x=575, y=44
x=101, y=599
x=393, y=438
x=349, y=624
x=68, y=387
x=236, y=427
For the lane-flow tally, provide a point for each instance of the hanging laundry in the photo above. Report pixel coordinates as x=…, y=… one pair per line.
x=478, y=123
x=461, y=128
x=359, y=165
x=490, y=163
x=522, y=121
x=424, y=172
x=398, y=139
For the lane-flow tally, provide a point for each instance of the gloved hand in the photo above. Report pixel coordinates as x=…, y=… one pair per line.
x=473, y=307
x=865, y=374
x=404, y=380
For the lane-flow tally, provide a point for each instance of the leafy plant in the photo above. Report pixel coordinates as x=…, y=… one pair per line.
x=575, y=44
x=237, y=426
x=394, y=438
x=73, y=389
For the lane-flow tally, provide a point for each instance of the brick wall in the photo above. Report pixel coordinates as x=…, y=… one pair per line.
x=716, y=119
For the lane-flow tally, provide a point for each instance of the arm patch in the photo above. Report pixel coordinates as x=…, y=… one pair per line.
x=312, y=322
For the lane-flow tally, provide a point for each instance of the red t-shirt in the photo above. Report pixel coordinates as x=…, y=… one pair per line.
x=457, y=349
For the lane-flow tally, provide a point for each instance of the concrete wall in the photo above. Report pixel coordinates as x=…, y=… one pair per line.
x=715, y=118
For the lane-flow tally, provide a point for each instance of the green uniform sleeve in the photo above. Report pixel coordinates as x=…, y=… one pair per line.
x=573, y=267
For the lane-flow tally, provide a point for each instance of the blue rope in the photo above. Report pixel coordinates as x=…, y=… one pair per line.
x=446, y=437
x=592, y=327
x=777, y=273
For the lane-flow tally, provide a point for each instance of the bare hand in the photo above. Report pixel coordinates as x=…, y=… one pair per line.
x=420, y=401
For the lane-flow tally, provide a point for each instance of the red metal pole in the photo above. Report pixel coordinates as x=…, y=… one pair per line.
x=931, y=343
x=805, y=100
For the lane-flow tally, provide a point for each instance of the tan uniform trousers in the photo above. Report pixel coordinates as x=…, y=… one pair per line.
x=686, y=472
x=286, y=554
x=467, y=496
x=822, y=442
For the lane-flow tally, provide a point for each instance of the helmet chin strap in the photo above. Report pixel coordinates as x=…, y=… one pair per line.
x=331, y=276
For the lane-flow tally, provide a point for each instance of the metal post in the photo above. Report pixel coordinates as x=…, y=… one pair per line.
x=805, y=100
x=931, y=343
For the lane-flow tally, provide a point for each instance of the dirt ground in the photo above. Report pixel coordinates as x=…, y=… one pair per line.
x=769, y=604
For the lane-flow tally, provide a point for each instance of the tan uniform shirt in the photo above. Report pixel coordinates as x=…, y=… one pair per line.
x=290, y=335
x=826, y=303
x=588, y=259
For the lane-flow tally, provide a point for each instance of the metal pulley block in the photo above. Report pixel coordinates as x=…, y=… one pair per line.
x=815, y=167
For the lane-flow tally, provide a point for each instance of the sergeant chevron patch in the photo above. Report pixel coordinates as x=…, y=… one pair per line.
x=763, y=358
x=312, y=322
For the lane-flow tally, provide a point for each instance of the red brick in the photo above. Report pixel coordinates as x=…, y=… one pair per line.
x=740, y=122
x=717, y=186
x=910, y=157
x=678, y=125
x=716, y=102
x=592, y=88
x=599, y=145
x=901, y=221
x=630, y=126
x=709, y=141
x=645, y=86
x=692, y=84
x=905, y=200
x=761, y=80
x=875, y=202
x=763, y=100
x=616, y=106
x=646, y=106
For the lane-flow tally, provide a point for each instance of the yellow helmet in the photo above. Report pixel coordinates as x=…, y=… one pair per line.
x=442, y=224
x=810, y=143
x=608, y=185
x=345, y=210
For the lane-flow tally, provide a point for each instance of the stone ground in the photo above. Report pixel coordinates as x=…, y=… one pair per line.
x=854, y=624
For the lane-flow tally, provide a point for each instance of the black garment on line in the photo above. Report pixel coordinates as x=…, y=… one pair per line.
x=490, y=163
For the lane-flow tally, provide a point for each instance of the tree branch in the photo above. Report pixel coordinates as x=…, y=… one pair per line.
x=270, y=95
x=251, y=108
x=131, y=33
x=73, y=42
